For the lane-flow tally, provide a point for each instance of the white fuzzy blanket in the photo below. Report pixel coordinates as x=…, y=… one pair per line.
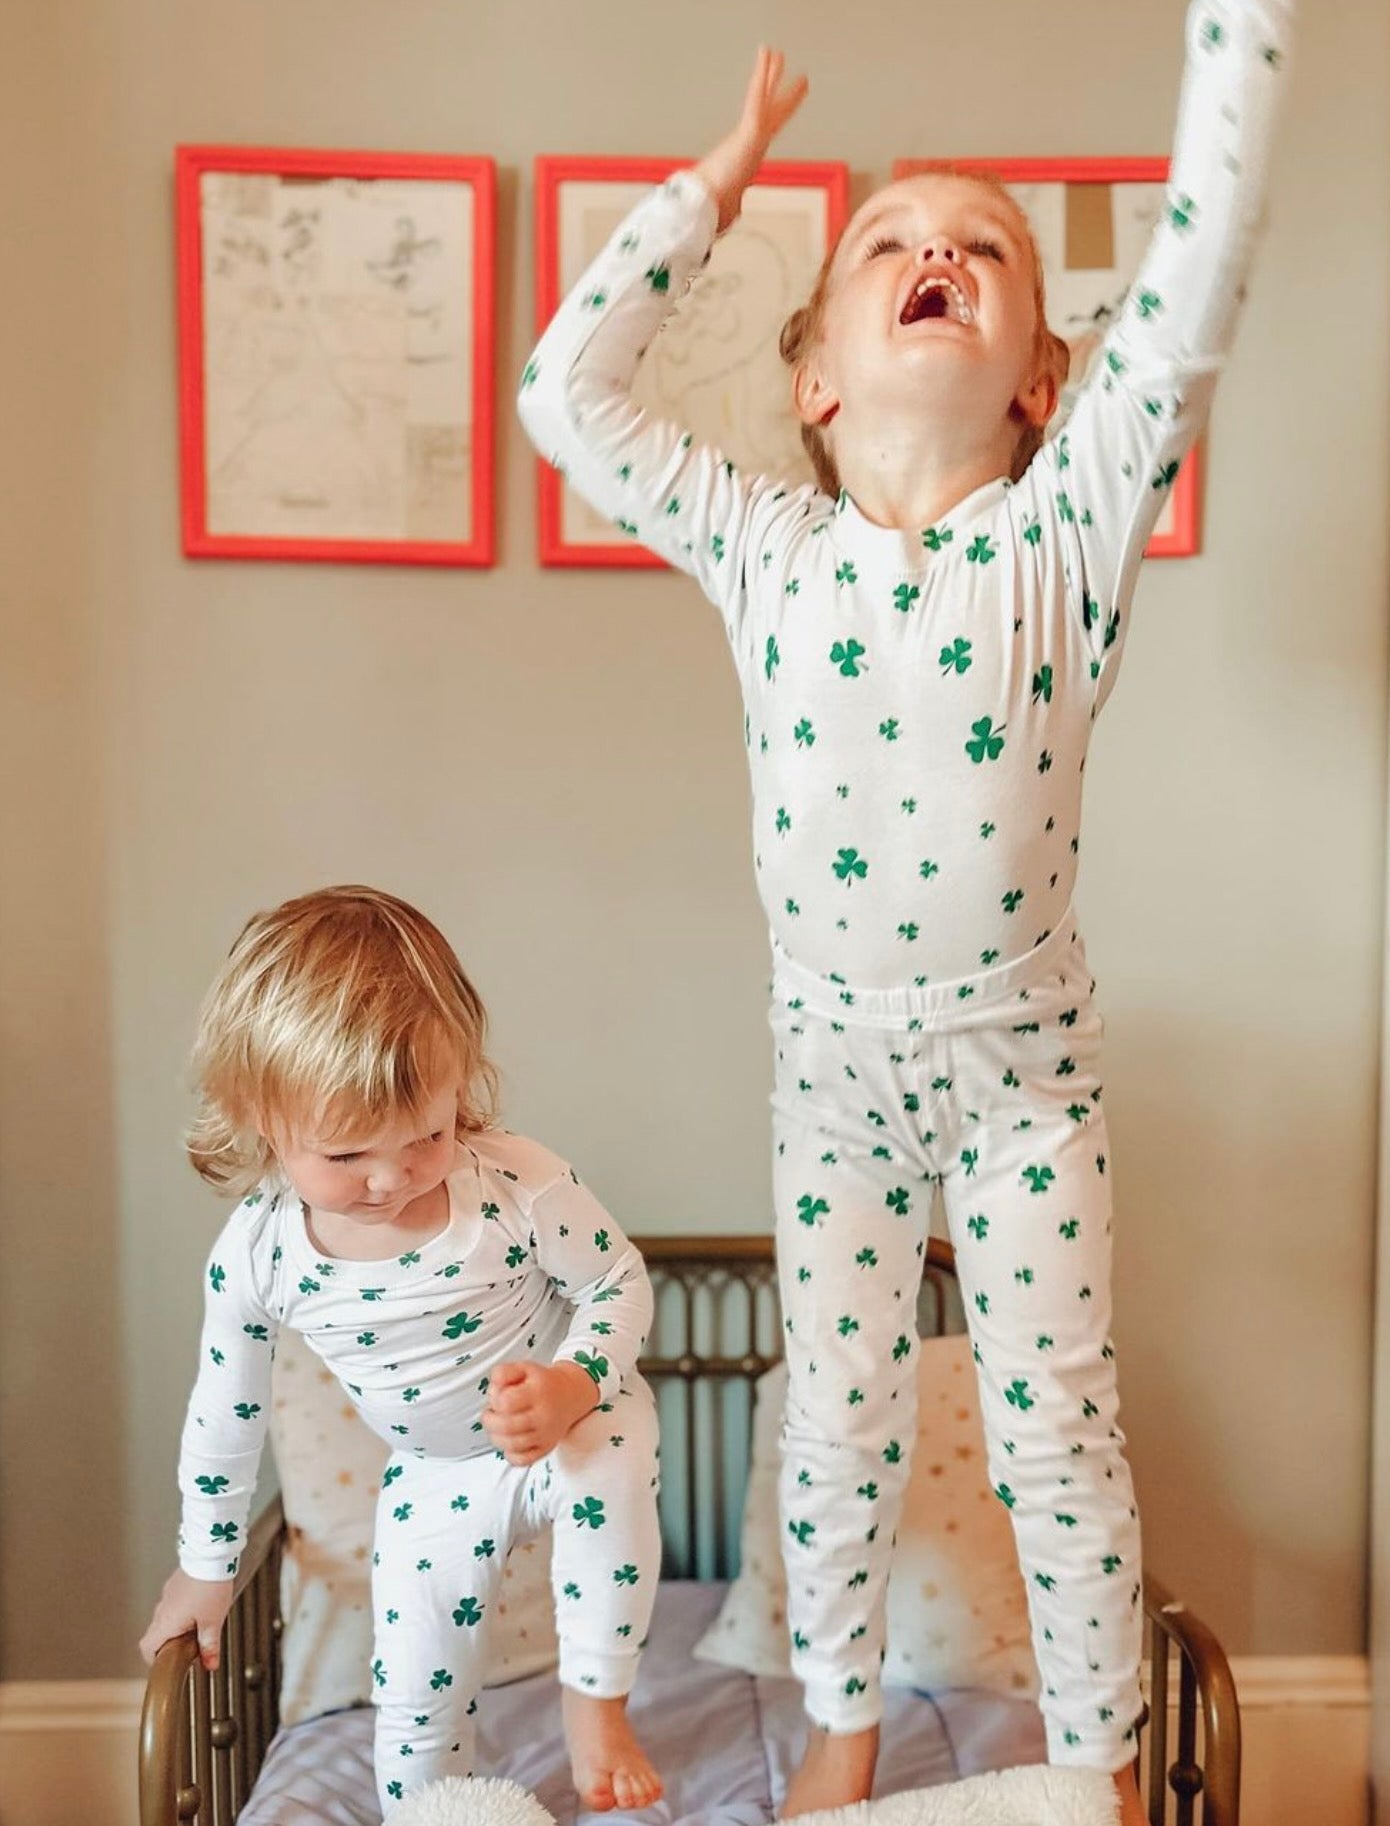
x=1015, y=1797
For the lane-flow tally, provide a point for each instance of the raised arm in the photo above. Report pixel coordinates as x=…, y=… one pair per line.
x=685, y=501
x=1147, y=402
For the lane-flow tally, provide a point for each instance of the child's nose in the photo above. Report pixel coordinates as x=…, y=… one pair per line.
x=941, y=249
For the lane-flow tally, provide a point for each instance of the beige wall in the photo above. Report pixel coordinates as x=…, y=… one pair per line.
x=551, y=764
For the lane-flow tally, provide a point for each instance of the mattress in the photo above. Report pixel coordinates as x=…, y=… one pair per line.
x=725, y=1742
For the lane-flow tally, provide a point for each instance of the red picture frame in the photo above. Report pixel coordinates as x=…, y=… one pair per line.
x=552, y=174
x=1180, y=532
x=435, y=489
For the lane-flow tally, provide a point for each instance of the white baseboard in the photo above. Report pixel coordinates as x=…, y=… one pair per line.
x=67, y=1747
x=1306, y=1731
x=67, y=1752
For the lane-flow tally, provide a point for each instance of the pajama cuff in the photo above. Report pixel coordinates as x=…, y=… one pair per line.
x=602, y=1674
x=1109, y=1750
x=832, y=1709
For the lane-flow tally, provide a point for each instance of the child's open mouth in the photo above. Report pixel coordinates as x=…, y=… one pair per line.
x=937, y=298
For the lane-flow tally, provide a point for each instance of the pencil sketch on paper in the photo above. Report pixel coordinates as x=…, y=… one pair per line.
x=714, y=369
x=337, y=325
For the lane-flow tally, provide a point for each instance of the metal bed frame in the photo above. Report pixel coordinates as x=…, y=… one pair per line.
x=203, y=1736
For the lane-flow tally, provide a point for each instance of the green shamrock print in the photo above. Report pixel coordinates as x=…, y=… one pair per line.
x=847, y=1325
x=1042, y=685
x=1147, y=305
x=461, y=1324
x=602, y=1242
x=468, y=1613
x=1038, y=1178
x=956, y=658
x=247, y=1410
x=224, y=1531
x=211, y=1486
x=1018, y=1397
x=846, y=654
x=892, y=1453
x=901, y=1348
x=625, y=1575
x=1069, y=1229
x=784, y=822
x=217, y=1277
x=804, y=735
x=981, y=551
x=402, y=1512
x=597, y=1367
x=905, y=596
x=589, y=1513
x=866, y=1258
x=1032, y=530
x=808, y=1209
x=909, y=930
x=988, y=743
x=716, y=546
x=441, y=1678
x=978, y=1228
x=516, y=1255
x=935, y=537
x=851, y=867
x=898, y=1201
x=801, y=1532
x=392, y=1472
x=970, y=1159
x=1066, y=513
x=658, y=277
x=1013, y=900
x=889, y=729
x=772, y=657
x=846, y=573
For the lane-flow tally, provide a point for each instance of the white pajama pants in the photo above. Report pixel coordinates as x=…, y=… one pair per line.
x=987, y=1088
x=443, y=1530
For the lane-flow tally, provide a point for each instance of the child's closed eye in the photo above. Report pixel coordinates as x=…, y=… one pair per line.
x=885, y=244
x=989, y=250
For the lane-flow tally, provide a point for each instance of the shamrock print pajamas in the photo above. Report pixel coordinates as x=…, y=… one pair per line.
x=528, y=1267
x=918, y=712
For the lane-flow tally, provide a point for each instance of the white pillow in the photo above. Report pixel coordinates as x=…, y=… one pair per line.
x=330, y=1464
x=957, y=1610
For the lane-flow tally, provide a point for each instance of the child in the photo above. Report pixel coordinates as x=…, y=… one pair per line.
x=923, y=644
x=481, y=1309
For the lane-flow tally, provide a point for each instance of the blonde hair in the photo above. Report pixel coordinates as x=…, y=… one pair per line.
x=344, y=1006
x=802, y=330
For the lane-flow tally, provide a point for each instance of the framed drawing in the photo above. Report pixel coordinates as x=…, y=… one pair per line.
x=335, y=355
x=715, y=368
x=1092, y=218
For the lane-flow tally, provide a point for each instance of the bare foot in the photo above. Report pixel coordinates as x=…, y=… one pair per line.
x=836, y=1771
x=609, y=1766
x=1131, y=1807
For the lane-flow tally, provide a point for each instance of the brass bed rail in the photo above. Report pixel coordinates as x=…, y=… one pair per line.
x=717, y=1329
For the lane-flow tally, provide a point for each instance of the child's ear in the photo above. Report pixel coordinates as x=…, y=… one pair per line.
x=1038, y=401
x=816, y=402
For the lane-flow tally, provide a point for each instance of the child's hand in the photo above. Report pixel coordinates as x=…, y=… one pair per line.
x=200, y=1605
x=531, y=1406
x=767, y=107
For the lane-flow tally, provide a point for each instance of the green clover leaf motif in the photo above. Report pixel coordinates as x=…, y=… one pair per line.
x=956, y=658
x=846, y=654
x=988, y=743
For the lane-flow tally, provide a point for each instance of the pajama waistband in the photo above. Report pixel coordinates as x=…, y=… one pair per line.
x=1055, y=970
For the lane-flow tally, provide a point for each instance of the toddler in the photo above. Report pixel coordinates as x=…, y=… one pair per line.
x=480, y=1308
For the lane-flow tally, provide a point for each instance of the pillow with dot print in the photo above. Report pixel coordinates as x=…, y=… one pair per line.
x=330, y=1463
x=957, y=1610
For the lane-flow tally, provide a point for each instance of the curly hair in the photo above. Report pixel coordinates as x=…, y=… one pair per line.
x=342, y=1006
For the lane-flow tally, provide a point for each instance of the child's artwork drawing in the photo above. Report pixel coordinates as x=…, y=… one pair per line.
x=336, y=319
x=714, y=369
x=1092, y=219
